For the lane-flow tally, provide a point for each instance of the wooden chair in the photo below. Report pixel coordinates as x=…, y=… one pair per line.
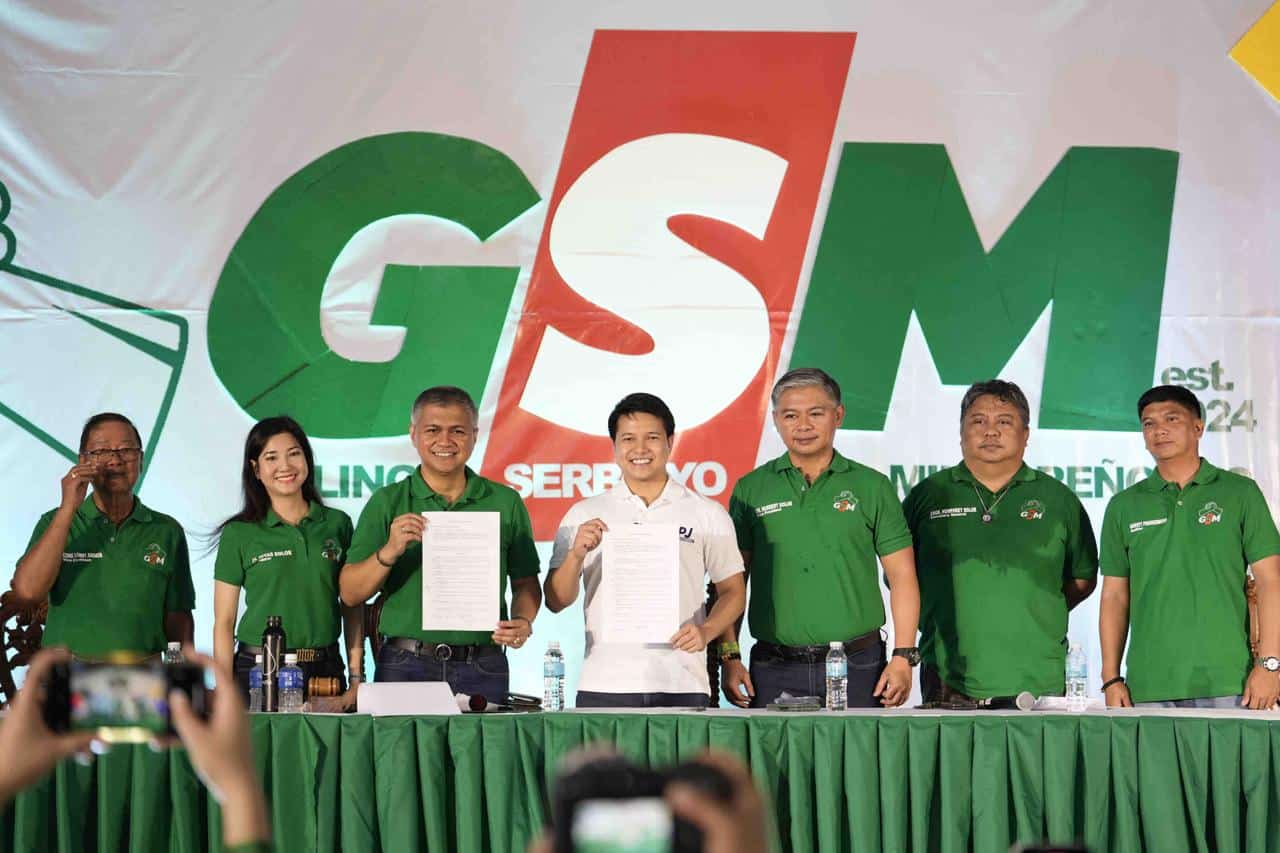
x=372, y=616
x=1251, y=596
x=22, y=630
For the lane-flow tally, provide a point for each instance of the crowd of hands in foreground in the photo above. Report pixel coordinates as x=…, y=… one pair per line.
x=221, y=751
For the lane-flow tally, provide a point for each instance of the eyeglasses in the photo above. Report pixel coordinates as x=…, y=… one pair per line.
x=124, y=454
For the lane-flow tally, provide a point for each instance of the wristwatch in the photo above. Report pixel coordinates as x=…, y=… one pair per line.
x=729, y=651
x=1270, y=664
x=912, y=654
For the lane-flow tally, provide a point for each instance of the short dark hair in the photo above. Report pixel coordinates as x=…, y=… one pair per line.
x=444, y=395
x=1171, y=394
x=805, y=377
x=107, y=418
x=641, y=403
x=1005, y=392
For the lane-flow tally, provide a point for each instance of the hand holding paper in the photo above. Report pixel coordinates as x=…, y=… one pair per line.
x=460, y=571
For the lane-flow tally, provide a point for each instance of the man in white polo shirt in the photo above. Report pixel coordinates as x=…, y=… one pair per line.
x=626, y=675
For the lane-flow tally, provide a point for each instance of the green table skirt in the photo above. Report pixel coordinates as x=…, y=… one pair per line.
x=849, y=782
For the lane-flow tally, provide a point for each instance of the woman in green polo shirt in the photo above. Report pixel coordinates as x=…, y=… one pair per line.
x=285, y=548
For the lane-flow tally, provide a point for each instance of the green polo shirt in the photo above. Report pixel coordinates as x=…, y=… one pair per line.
x=116, y=584
x=287, y=571
x=814, y=547
x=402, y=613
x=1185, y=552
x=993, y=616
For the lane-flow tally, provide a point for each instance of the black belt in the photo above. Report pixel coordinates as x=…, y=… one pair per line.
x=439, y=651
x=816, y=654
x=320, y=655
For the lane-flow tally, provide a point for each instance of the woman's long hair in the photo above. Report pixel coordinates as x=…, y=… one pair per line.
x=256, y=499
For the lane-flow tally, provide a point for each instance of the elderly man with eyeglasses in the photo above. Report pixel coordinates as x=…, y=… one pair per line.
x=116, y=572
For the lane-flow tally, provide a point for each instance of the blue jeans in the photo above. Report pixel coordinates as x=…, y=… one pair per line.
x=771, y=676
x=592, y=699
x=487, y=674
x=1204, y=702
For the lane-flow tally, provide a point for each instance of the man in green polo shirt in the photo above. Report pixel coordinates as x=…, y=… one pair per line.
x=1175, y=550
x=116, y=573
x=1003, y=551
x=810, y=526
x=386, y=555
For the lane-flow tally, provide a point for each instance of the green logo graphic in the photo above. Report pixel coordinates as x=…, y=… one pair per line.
x=899, y=238
x=1032, y=510
x=265, y=338
x=331, y=550
x=845, y=502
x=109, y=315
x=154, y=555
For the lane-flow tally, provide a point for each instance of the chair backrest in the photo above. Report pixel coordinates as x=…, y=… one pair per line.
x=1251, y=596
x=22, y=630
x=372, y=616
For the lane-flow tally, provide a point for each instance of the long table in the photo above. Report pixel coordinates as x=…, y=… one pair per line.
x=856, y=781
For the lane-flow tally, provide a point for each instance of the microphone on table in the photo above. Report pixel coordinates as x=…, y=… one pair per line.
x=1025, y=701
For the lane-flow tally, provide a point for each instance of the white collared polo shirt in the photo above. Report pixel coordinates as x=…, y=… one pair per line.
x=708, y=547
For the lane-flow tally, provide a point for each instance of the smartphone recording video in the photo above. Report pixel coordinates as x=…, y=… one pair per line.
x=121, y=702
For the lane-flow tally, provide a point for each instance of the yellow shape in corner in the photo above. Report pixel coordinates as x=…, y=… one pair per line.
x=1258, y=51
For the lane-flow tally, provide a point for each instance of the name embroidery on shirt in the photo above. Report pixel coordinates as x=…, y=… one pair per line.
x=81, y=556
x=951, y=512
x=1139, y=525
x=270, y=555
x=1210, y=513
x=770, y=509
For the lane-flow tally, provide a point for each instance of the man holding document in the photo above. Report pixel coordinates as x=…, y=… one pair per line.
x=440, y=545
x=643, y=551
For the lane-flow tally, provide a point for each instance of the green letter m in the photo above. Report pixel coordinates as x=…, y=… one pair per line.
x=898, y=237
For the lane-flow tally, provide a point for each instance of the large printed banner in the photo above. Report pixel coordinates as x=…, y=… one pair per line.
x=215, y=215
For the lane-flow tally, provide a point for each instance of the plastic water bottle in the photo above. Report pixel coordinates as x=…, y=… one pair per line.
x=255, y=684
x=172, y=654
x=837, y=678
x=290, y=685
x=553, y=678
x=1077, y=679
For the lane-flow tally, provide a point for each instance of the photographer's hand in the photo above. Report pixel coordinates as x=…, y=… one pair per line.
x=30, y=748
x=222, y=755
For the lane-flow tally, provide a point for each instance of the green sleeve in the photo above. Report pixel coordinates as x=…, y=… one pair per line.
x=910, y=507
x=522, y=556
x=1115, y=552
x=41, y=526
x=1258, y=527
x=180, y=597
x=891, y=533
x=743, y=517
x=371, y=531
x=1082, y=548
x=228, y=565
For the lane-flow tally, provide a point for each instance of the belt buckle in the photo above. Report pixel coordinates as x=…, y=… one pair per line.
x=305, y=655
x=442, y=651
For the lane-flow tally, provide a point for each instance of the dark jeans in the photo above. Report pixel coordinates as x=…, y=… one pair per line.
x=331, y=668
x=484, y=675
x=592, y=699
x=772, y=676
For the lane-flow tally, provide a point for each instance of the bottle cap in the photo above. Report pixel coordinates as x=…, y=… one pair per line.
x=273, y=621
x=290, y=659
x=257, y=658
x=175, y=647
x=554, y=644
x=836, y=644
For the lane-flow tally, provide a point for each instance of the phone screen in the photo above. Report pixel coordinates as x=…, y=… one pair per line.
x=641, y=825
x=122, y=702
